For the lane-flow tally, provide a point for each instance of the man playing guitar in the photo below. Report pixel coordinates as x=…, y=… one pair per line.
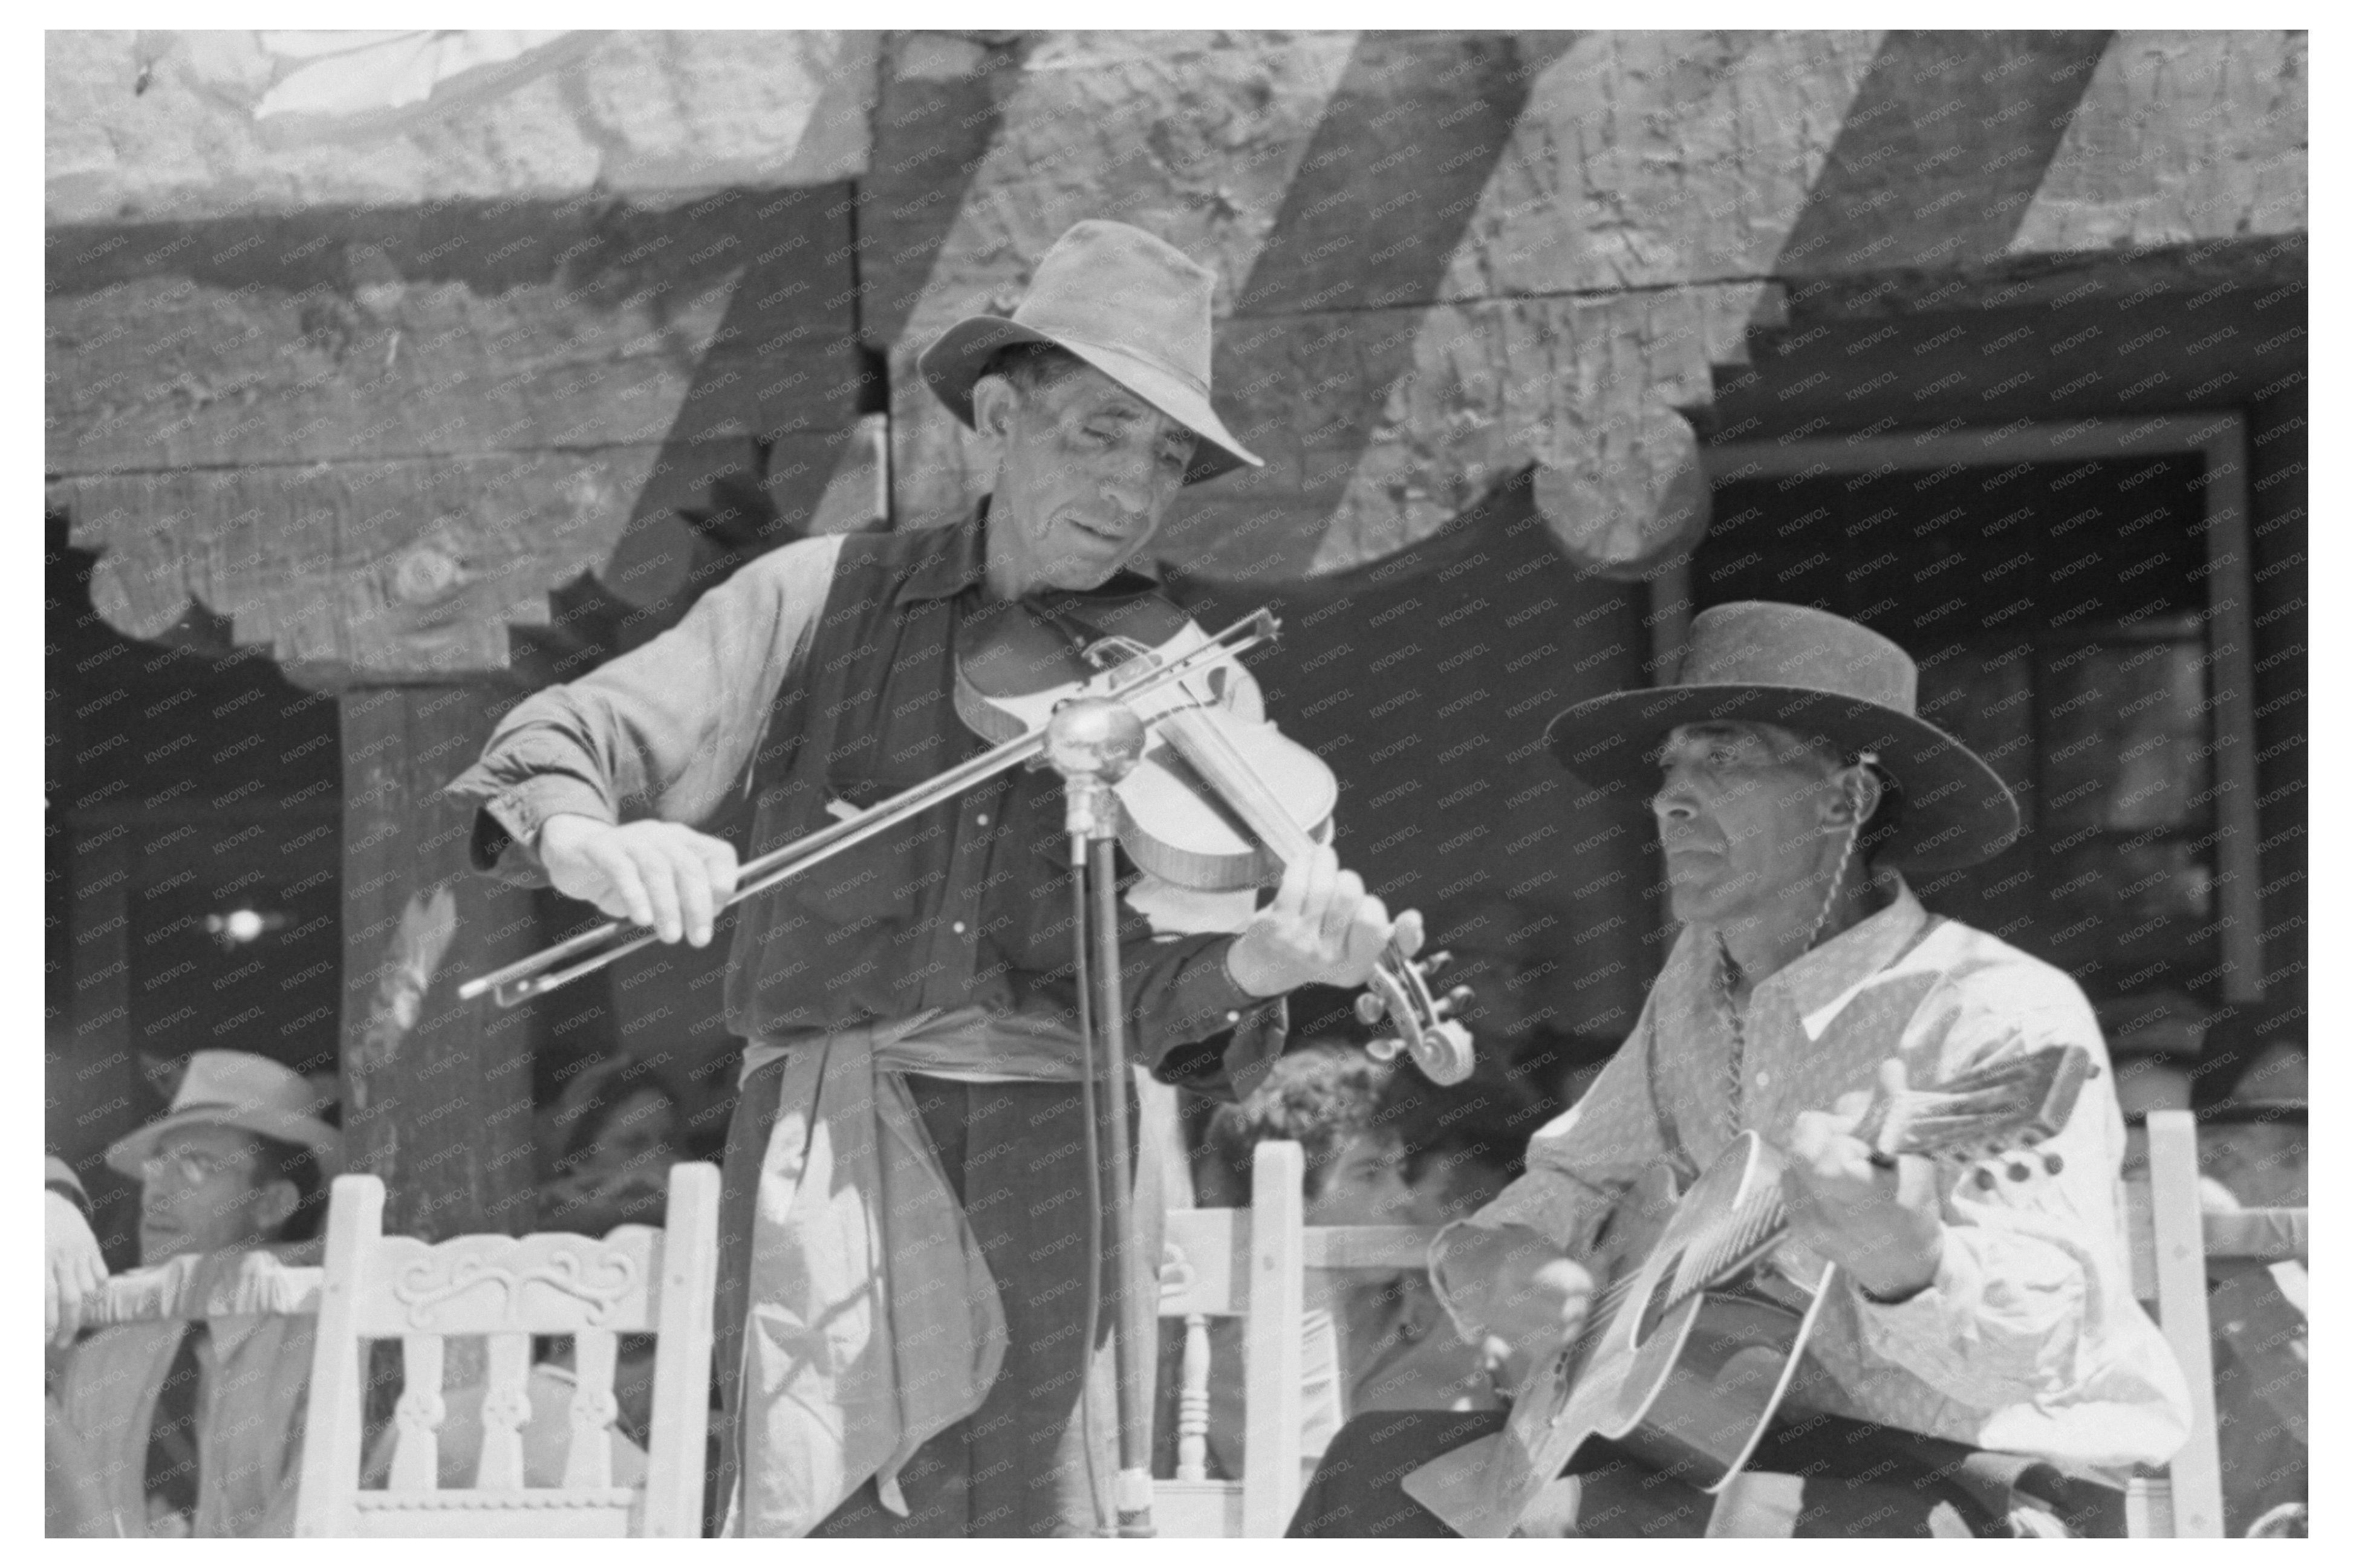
x=1977, y=1321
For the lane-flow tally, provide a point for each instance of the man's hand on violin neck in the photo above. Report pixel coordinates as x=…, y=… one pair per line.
x=1322, y=929
x=657, y=874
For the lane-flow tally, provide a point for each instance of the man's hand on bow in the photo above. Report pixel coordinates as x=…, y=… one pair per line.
x=75, y=1271
x=658, y=873
x=1881, y=1225
x=1323, y=928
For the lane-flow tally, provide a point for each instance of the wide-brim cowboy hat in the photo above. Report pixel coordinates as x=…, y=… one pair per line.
x=1819, y=675
x=1126, y=302
x=239, y=1090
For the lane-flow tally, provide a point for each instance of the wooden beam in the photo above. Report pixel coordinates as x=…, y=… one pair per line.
x=436, y=1093
x=1381, y=426
x=448, y=331
x=2180, y=135
x=2177, y=275
x=409, y=569
x=165, y=121
x=372, y=442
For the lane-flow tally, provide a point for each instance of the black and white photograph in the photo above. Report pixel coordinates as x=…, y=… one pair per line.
x=637, y=622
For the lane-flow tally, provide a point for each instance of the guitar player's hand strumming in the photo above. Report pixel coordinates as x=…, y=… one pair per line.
x=1878, y=1221
x=1519, y=1286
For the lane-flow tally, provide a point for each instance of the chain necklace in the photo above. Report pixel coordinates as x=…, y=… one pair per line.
x=1726, y=967
x=1736, y=1061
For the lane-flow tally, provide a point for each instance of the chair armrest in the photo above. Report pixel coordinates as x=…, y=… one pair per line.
x=2263, y=1236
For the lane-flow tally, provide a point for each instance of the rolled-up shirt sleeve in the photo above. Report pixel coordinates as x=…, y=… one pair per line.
x=2031, y=1302
x=1579, y=1163
x=1180, y=993
x=664, y=730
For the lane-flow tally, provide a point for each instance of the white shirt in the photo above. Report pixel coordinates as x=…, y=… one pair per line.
x=2029, y=1340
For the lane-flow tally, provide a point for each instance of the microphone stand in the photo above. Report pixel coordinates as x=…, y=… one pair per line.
x=1093, y=743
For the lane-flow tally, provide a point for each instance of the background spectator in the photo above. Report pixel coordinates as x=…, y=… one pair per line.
x=196, y=1428
x=608, y=1145
x=1371, y=1341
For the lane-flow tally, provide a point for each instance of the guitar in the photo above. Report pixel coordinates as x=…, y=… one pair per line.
x=1690, y=1351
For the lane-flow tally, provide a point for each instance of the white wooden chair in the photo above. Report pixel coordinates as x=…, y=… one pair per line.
x=506, y=1289
x=1253, y=1264
x=2171, y=1238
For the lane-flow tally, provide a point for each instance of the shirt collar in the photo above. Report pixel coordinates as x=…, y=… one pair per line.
x=1818, y=983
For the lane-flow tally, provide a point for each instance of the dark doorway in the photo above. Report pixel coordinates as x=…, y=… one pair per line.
x=193, y=825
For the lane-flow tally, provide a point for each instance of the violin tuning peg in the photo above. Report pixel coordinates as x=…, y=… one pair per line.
x=2054, y=1163
x=1369, y=1010
x=1384, y=1050
x=1459, y=998
x=2017, y=1171
x=1436, y=961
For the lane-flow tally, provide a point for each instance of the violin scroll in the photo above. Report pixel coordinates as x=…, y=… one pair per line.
x=1399, y=991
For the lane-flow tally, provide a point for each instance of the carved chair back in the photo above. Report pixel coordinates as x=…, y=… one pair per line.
x=504, y=1290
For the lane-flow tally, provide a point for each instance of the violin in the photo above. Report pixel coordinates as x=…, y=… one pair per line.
x=1220, y=802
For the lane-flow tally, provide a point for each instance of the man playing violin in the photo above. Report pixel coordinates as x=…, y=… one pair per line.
x=1983, y=1307
x=904, y=1221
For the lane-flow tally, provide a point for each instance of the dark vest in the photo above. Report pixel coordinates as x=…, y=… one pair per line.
x=965, y=904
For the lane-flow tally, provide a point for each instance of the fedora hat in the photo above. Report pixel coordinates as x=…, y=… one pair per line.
x=239, y=1090
x=1128, y=303
x=1819, y=675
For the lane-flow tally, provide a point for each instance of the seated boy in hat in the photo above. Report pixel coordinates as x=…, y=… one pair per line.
x=196, y=1429
x=1976, y=1305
